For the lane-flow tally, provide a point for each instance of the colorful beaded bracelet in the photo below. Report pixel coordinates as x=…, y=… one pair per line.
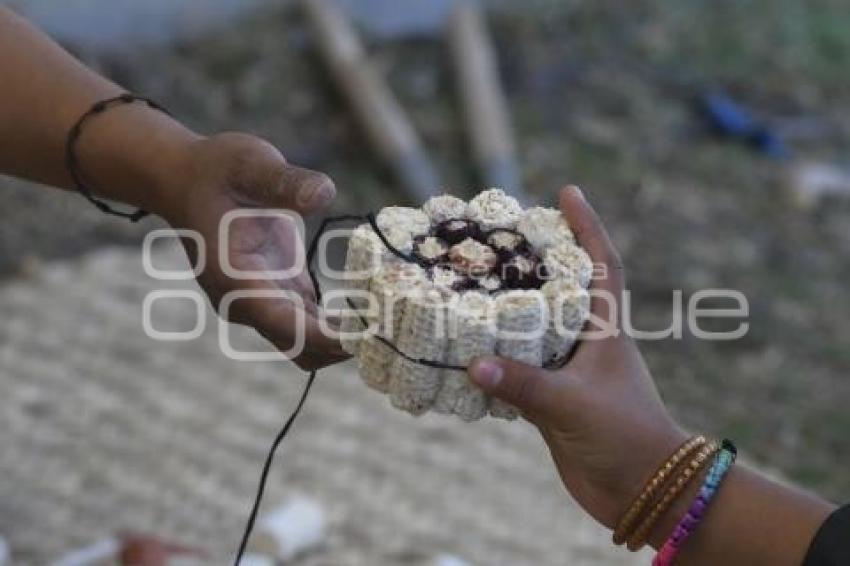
x=688, y=524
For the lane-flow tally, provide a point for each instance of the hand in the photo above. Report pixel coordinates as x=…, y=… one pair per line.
x=232, y=171
x=601, y=415
x=143, y=550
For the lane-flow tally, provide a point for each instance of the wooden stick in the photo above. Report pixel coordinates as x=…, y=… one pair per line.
x=484, y=103
x=387, y=127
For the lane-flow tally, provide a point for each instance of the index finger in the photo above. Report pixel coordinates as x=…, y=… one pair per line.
x=593, y=237
x=606, y=288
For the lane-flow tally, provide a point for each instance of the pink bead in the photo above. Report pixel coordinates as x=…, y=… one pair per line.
x=665, y=556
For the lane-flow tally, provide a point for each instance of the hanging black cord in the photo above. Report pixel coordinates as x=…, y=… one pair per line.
x=249, y=527
x=264, y=475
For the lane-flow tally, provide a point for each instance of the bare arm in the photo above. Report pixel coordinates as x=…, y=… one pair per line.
x=131, y=156
x=752, y=521
x=144, y=158
x=608, y=430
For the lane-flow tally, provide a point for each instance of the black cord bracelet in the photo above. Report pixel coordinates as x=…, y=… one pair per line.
x=73, y=164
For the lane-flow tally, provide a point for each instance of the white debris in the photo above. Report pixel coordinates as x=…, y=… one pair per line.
x=92, y=555
x=249, y=559
x=290, y=530
x=810, y=182
x=449, y=560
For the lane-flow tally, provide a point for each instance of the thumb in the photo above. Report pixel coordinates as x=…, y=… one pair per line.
x=260, y=173
x=531, y=390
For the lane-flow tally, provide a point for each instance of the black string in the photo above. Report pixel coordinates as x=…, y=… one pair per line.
x=370, y=217
x=311, y=253
x=73, y=164
x=264, y=475
x=394, y=348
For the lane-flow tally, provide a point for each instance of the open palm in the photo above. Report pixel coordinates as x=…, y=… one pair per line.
x=229, y=173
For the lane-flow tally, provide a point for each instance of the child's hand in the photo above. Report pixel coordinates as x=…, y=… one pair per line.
x=601, y=415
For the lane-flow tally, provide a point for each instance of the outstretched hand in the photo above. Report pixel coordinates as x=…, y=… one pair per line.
x=229, y=172
x=600, y=415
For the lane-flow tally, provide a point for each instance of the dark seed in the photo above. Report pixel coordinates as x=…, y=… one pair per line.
x=523, y=271
x=456, y=231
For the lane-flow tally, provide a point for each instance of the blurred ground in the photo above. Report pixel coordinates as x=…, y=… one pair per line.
x=105, y=430
x=602, y=96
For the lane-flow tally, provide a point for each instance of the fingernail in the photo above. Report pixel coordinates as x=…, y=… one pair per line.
x=486, y=373
x=314, y=194
x=578, y=191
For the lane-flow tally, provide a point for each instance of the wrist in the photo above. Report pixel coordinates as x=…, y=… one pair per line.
x=172, y=170
x=174, y=176
x=655, y=446
x=140, y=156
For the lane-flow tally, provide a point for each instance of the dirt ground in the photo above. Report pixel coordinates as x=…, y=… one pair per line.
x=106, y=430
x=602, y=95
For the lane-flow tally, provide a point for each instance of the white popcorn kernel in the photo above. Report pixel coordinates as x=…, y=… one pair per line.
x=569, y=261
x=472, y=336
x=391, y=288
x=363, y=257
x=473, y=258
x=424, y=336
x=494, y=209
x=432, y=248
x=544, y=228
x=444, y=207
x=362, y=260
x=569, y=308
x=445, y=278
x=399, y=238
x=373, y=362
x=401, y=217
x=522, y=321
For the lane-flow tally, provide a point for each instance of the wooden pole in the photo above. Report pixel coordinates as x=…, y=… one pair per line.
x=387, y=127
x=484, y=103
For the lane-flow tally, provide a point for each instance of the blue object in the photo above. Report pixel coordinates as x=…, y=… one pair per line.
x=734, y=120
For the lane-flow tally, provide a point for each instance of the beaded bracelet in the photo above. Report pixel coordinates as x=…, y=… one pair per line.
x=689, y=522
x=650, y=489
x=641, y=534
x=73, y=165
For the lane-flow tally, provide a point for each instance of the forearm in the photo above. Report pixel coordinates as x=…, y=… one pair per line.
x=131, y=154
x=751, y=521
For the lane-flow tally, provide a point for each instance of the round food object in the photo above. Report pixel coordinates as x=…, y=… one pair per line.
x=479, y=278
